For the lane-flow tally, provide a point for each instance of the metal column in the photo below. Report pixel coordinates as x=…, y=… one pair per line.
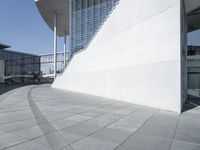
x=70, y=31
x=55, y=45
x=65, y=49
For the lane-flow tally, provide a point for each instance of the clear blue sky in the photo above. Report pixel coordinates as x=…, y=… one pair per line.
x=22, y=27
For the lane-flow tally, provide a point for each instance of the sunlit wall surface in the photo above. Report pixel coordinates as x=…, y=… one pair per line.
x=87, y=17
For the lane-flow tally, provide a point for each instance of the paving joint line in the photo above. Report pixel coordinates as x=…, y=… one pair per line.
x=171, y=141
x=29, y=94
x=137, y=130
x=101, y=128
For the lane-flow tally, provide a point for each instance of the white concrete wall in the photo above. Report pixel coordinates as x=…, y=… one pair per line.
x=135, y=57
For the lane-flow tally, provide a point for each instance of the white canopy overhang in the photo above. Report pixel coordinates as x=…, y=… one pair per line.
x=192, y=8
x=48, y=8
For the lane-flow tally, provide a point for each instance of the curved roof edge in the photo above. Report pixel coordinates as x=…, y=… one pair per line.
x=192, y=8
x=191, y=5
x=48, y=8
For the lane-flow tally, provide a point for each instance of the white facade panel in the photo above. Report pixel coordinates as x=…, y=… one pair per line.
x=135, y=57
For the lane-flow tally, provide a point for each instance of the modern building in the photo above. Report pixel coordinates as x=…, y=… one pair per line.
x=193, y=72
x=17, y=66
x=128, y=50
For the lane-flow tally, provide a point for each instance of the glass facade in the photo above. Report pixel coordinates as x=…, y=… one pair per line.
x=87, y=16
x=23, y=66
x=16, y=66
x=193, y=64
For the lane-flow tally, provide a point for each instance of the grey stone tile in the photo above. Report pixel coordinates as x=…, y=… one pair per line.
x=188, y=136
x=179, y=145
x=126, y=125
x=133, y=108
x=70, y=138
x=58, y=115
x=98, y=112
x=53, y=141
x=8, y=139
x=192, y=113
x=105, y=109
x=67, y=148
x=145, y=143
x=157, y=131
x=90, y=114
x=113, y=116
x=40, y=120
x=29, y=133
x=18, y=125
x=139, y=117
x=47, y=128
x=93, y=144
x=79, y=118
x=2, y=132
x=15, y=113
x=82, y=129
x=164, y=119
x=149, y=109
x=121, y=112
x=102, y=121
x=14, y=118
x=111, y=135
x=189, y=124
x=64, y=123
x=28, y=146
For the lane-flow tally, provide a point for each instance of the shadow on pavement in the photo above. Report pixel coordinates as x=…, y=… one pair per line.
x=191, y=104
x=5, y=88
x=51, y=136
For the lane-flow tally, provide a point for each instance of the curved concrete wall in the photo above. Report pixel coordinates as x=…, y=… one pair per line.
x=135, y=57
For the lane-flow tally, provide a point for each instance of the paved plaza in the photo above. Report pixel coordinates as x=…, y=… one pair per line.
x=38, y=117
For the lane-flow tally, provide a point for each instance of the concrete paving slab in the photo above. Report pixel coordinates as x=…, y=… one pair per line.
x=79, y=118
x=111, y=135
x=93, y=144
x=67, y=148
x=157, y=131
x=2, y=132
x=179, y=145
x=69, y=137
x=28, y=146
x=52, y=141
x=102, y=121
x=63, y=123
x=29, y=133
x=121, y=112
x=145, y=143
x=125, y=125
x=189, y=124
x=188, y=136
x=63, y=120
x=140, y=116
x=14, y=126
x=164, y=119
x=83, y=129
x=8, y=139
x=14, y=118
